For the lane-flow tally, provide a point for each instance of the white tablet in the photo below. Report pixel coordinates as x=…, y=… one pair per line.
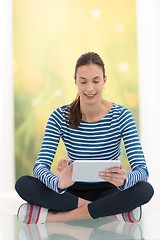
x=88, y=170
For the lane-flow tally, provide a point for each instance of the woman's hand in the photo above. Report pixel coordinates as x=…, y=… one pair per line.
x=64, y=173
x=115, y=176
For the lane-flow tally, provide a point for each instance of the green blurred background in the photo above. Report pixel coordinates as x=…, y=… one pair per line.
x=49, y=36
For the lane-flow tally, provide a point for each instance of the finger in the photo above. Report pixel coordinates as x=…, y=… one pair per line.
x=114, y=176
x=121, y=175
x=121, y=166
x=63, y=162
x=116, y=182
x=61, y=166
x=58, y=168
x=71, y=166
x=110, y=175
x=60, y=162
x=114, y=170
x=107, y=179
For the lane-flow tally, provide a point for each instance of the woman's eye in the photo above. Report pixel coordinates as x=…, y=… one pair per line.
x=83, y=82
x=96, y=82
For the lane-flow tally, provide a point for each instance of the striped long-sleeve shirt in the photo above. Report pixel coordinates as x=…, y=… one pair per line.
x=99, y=140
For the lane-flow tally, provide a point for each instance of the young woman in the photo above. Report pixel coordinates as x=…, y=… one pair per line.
x=91, y=129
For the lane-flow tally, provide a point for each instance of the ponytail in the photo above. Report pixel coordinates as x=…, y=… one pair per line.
x=74, y=113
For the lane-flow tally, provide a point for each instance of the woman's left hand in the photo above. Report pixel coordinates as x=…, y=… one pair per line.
x=115, y=176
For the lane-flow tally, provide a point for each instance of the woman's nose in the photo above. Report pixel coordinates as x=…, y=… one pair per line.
x=89, y=88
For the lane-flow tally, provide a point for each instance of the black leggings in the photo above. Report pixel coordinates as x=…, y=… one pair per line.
x=106, y=199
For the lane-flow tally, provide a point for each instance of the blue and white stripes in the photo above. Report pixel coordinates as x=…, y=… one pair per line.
x=92, y=141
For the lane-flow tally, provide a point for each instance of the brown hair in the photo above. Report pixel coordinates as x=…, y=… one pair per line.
x=74, y=112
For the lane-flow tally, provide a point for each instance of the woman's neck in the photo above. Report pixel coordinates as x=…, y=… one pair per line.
x=93, y=113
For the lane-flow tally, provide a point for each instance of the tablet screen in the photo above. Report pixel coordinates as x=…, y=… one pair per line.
x=88, y=170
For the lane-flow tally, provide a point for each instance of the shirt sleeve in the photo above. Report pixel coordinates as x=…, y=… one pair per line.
x=133, y=149
x=47, y=152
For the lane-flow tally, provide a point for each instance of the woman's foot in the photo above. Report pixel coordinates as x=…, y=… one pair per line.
x=31, y=214
x=132, y=216
x=82, y=202
x=75, y=214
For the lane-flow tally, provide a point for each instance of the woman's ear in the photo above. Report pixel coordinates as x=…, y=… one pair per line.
x=105, y=79
x=75, y=81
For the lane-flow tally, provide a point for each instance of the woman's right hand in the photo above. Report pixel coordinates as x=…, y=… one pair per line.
x=64, y=173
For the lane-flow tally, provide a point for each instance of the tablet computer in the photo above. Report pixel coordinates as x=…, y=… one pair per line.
x=88, y=170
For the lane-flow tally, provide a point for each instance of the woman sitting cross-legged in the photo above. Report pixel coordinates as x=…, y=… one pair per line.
x=92, y=129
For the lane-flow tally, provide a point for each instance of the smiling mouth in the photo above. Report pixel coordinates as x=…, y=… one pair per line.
x=90, y=95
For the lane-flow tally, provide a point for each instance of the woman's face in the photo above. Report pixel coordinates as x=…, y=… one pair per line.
x=90, y=82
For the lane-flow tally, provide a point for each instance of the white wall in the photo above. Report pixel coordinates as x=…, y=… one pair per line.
x=6, y=97
x=6, y=103
x=148, y=40
x=9, y=199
